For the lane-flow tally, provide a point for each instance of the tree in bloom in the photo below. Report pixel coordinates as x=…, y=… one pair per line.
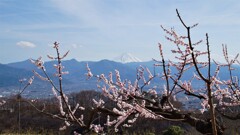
x=70, y=114
x=139, y=99
x=67, y=112
x=133, y=100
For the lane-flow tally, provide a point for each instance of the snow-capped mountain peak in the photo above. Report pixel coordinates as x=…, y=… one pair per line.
x=126, y=58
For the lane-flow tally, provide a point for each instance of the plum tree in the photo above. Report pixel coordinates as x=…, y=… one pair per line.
x=133, y=100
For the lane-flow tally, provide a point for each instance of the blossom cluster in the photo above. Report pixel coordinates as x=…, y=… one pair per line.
x=67, y=111
x=134, y=100
x=126, y=96
x=2, y=102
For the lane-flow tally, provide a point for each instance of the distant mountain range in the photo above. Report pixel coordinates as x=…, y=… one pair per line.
x=127, y=58
x=11, y=73
x=76, y=79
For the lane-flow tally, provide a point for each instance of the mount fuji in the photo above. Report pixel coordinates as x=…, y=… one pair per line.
x=126, y=58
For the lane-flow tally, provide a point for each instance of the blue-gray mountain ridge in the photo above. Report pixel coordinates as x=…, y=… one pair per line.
x=11, y=73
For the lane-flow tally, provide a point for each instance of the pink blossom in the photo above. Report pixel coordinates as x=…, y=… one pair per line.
x=39, y=63
x=56, y=45
x=30, y=80
x=89, y=73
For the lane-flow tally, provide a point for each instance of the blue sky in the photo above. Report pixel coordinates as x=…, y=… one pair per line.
x=104, y=29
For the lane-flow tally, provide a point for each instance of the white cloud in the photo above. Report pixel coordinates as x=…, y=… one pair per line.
x=26, y=44
x=76, y=46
